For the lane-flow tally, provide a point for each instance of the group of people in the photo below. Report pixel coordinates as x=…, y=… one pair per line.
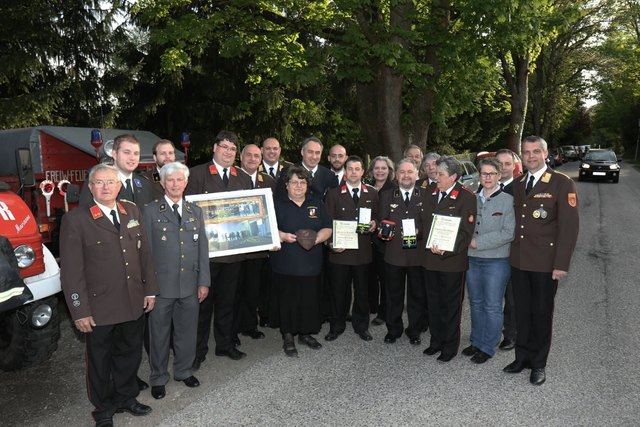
x=136, y=267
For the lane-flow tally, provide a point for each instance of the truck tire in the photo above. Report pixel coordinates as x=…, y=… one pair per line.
x=20, y=344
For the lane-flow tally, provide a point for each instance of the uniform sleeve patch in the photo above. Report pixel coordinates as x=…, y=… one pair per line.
x=572, y=199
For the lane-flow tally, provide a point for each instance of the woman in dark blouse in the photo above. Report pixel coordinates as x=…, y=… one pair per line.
x=296, y=270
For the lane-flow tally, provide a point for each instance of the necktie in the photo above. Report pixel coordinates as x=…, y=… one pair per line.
x=175, y=211
x=356, y=198
x=115, y=219
x=271, y=172
x=406, y=198
x=529, y=185
x=129, y=190
x=443, y=194
x=225, y=177
x=502, y=186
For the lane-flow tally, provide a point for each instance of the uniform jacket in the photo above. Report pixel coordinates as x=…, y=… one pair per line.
x=105, y=273
x=142, y=188
x=206, y=179
x=282, y=166
x=341, y=206
x=547, y=223
x=323, y=179
x=391, y=207
x=180, y=249
x=154, y=178
x=461, y=203
x=495, y=223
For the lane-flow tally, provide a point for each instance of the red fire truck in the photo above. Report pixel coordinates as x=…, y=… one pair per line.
x=51, y=158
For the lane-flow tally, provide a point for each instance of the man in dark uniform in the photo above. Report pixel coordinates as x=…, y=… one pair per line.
x=322, y=178
x=126, y=157
x=337, y=158
x=351, y=265
x=255, y=267
x=404, y=206
x=219, y=175
x=506, y=158
x=163, y=152
x=546, y=207
x=108, y=283
x=181, y=258
x=444, y=271
x=271, y=163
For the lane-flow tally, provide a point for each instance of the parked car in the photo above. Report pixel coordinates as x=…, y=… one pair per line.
x=599, y=164
x=470, y=178
x=569, y=152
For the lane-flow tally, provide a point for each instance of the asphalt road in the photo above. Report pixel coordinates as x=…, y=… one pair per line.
x=593, y=376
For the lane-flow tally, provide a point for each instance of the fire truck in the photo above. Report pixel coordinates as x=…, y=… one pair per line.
x=41, y=172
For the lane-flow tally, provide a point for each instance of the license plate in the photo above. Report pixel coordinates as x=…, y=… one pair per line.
x=599, y=174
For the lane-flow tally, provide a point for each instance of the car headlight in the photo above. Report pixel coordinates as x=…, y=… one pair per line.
x=25, y=255
x=585, y=166
x=614, y=167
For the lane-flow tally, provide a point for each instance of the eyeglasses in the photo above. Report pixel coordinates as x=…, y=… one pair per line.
x=298, y=183
x=100, y=183
x=228, y=148
x=488, y=174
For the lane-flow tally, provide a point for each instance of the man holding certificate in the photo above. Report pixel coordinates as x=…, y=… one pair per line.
x=352, y=206
x=400, y=209
x=449, y=221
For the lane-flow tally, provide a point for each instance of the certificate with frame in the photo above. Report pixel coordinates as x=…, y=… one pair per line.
x=444, y=232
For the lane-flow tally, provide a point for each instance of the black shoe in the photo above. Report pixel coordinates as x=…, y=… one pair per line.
x=158, y=391
x=289, y=345
x=446, y=357
x=507, y=344
x=415, y=340
x=515, y=367
x=141, y=384
x=233, y=354
x=470, y=351
x=389, y=339
x=309, y=341
x=430, y=351
x=136, y=408
x=538, y=377
x=264, y=322
x=331, y=336
x=236, y=341
x=104, y=422
x=377, y=321
x=254, y=334
x=190, y=382
x=480, y=357
x=348, y=319
x=197, y=362
x=365, y=336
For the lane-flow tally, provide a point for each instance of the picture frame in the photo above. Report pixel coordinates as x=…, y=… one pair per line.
x=238, y=222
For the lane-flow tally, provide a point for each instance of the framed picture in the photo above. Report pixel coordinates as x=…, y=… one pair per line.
x=238, y=222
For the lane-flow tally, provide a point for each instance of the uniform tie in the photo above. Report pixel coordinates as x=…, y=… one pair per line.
x=443, y=194
x=406, y=199
x=356, y=198
x=502, y=185
x=529, y=185
x=129, y=190
x=225, y=177
x=271, y=172
x=175, y=211
x=115, y=219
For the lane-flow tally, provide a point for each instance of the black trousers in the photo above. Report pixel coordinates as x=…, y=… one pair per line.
x=253, y=273
x=219, y=306
x=445, y=293
x=341, y=278
x=534, y=293
x=113, y=355
x=509, y=329
x=377, y=288
x=395, y=283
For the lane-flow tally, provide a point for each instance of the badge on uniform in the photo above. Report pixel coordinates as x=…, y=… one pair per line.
x=163, y=238
x=572, y=199
x=133, y=223
x=138, y=183
x=312, y=212
x=540, y=213
x=195, y=237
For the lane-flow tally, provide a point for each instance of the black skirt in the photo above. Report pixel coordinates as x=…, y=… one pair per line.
x=294, y=306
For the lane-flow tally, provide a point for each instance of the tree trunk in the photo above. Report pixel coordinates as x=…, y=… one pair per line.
x=518, y=85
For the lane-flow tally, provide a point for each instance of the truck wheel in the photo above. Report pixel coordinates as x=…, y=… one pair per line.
x=21, y=345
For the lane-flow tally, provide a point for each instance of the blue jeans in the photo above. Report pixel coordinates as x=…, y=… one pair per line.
x=486, y=282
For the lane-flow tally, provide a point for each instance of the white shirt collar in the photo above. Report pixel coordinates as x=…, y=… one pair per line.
x=350, y=188
x=313, y=171
x=536, y=176
x=267, y=166
x=404, y=192
x=124, y=177
x=171, y=203
x=107, y=210
x=221, y=168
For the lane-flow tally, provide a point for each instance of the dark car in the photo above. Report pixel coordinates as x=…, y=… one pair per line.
x=599, y=164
